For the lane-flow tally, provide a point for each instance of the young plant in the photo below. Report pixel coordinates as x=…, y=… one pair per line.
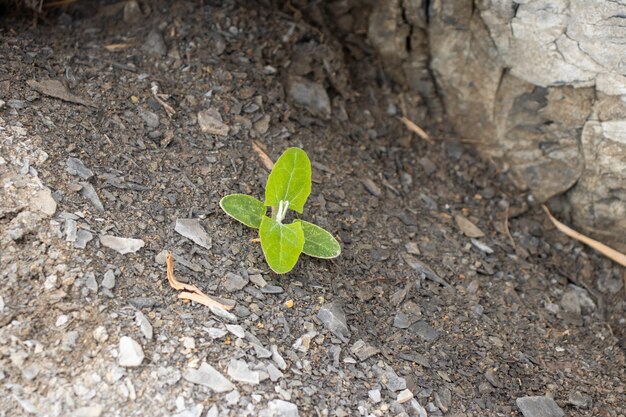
x=288, y=187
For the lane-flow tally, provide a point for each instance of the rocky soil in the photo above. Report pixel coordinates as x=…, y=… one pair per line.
x=453, y=295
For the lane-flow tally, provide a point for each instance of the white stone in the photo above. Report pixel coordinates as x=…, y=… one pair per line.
x=131, y=353
x=144, y=324
x=374, y=395
x=121, y=244
x=404, y=396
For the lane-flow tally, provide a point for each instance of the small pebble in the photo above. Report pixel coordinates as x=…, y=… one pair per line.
x=404, y=396
x=374, y=395
x=108, y=281
x=130, y=353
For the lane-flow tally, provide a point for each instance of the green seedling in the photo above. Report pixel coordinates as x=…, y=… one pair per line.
x=288, y=187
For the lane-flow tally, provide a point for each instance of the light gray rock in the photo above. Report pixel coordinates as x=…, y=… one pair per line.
x=151, y=119
x=417, y=407
x=208, y=376
x=570, y=302
x=579, y=399
x=210, y=121
x=333, y=317
x=274, y=373
x=239, y=371
x=122, y=245
x=425, y=331
x=213, y=411
x=75, y=166
x=280, y=408
x=90, y=194
x=130, y=353
x=310, y=95
x=193, y=411
x=108, y=281
x=88, y=411
x=223, y=314
x=236, y=330
x=155, y=44
x=82, y=238
x=144, y=324
x=193, y=230
x=392, y=381
x=539, y=407
x=261, y=352
x=90, y=282
x=404, y=396
x=215, y=333
x=100, y=334
x=277, y=358
x=43, y=202
x=374, y=395
x=16, y=104
x=541, y=81
x=232, y=282
x=258, y=280
x=70, y=230
x=402, y=320
x=363, y=351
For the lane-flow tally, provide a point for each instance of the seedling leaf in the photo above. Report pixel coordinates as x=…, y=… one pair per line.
x=318, y=242
x=290, y=180
x=281, y=243
x=244, y=208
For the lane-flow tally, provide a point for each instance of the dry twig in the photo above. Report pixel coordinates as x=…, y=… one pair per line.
x=190, y=292
x=265, y=159
x=506, y=226
x=415, y=129
x=610, y=253
x=155, y=93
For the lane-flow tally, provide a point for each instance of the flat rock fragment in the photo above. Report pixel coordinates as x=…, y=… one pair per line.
x=310, y=95
x=363, y=351
x=210, y=121
x=280, y=408
x=539, y=406
x=193, y=230
x=56, y=89
x=43, y=202
x=75, y=166
x=425, y=331
x=232, y=282
x=208, y=376
x=122, y=245
x=240, y=372
x=89, y=192
x=155, y=44
x=144, y=324
x=82, y=238
x=468, y=228
x=333, y=317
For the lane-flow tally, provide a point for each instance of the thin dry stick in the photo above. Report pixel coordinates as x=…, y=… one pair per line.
x=415, y=129
x=265, y=159
x=155, y=93
x=610, y=253
x=506, y=226
x=190, y=292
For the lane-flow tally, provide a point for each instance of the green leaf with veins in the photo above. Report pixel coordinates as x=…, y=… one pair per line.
x=318, y=242
x=281, y=243
x=290, y=180
x=244, y=208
